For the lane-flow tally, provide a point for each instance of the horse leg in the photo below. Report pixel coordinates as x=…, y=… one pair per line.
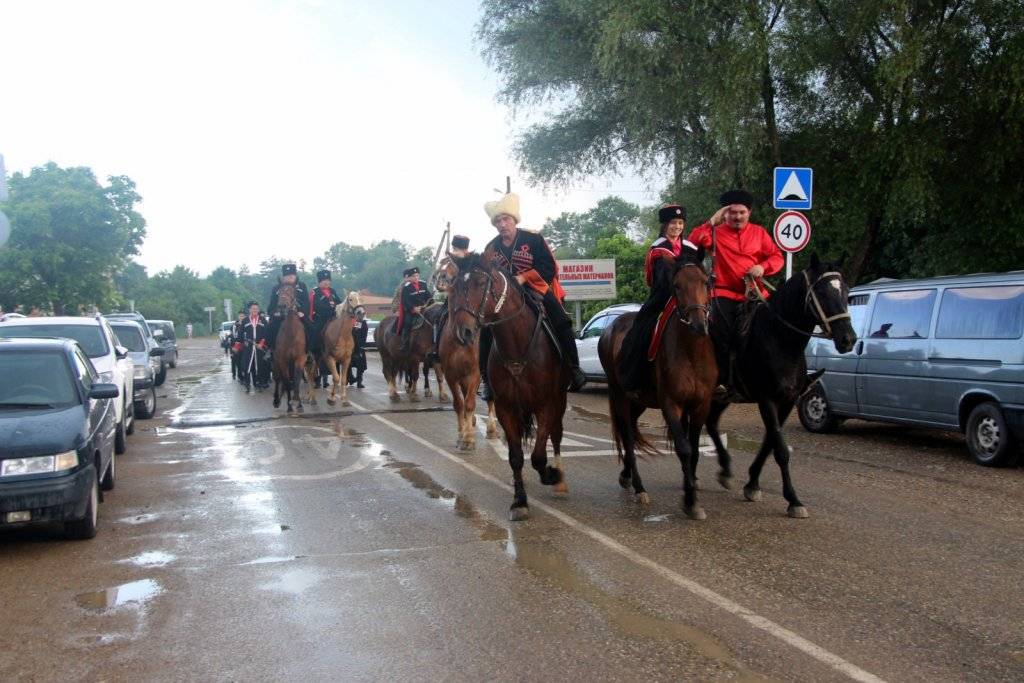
x=752, y=491
x=438, y=374
x=277, y=391
x=413, y=381
x=520, y=508
x=492, y=420
x=556, y=447
x=466, y=392
x=427, y=393
x=336, y=378
x=724, y=458
x=782, y=452
x=460, y=417
x=625, y=418
x=677, y=425
x=297, y=382
x=310, y=368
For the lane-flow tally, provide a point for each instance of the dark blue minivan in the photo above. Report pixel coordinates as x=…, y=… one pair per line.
x=57, y=426
x=944, y=352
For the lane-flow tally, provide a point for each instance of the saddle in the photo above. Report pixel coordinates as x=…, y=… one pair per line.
x=536, y=304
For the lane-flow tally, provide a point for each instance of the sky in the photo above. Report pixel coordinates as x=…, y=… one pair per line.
x=273, y=128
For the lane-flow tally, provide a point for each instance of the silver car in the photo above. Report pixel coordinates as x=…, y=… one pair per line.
x=586, y=340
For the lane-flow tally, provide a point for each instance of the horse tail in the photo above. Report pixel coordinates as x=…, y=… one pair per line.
x=527, y=422
x=622, y=426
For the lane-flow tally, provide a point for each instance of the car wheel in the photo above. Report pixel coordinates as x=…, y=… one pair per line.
x=815, y=414
x=81, y=529
x=147, y=406
x=174, y=362
x=120, y=438
x=130, y=429
x=108, y=481
x=161, y=376
x=988, y=438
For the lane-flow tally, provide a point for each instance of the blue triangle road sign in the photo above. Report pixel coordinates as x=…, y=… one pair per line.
x=792, y=187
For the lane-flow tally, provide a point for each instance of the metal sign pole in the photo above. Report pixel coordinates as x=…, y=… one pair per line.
x=579, y=313
x=789, y=264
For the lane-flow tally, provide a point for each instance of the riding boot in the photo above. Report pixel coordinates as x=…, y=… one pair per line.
x=567, y=340
x=406, y=335
x=359, y=379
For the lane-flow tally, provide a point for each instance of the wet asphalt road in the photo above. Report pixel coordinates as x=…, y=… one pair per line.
x=357, y=544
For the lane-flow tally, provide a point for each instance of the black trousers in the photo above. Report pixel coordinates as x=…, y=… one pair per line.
x=633, y=361
x=559, y=321
x=275, y=326
x=725, y=314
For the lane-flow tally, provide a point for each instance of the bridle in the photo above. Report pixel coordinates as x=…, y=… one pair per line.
x=684, y=313
x=499, y=301
x=811, y=303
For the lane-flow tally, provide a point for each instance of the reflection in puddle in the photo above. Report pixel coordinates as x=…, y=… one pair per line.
x=412, y=473
x=293, y=582
x=545, y=560
x=136, y=592
x=151, y=558
x=140, y=519
x=273, y=560
x=656, y=518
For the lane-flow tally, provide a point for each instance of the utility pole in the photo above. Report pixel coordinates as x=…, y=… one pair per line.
x=508, y=184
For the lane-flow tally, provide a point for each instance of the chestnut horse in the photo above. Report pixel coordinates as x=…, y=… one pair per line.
x=527, y=375
x=336, y=349
x=406, y=364
x=681, y=379
x=289, y=350
x=461, y=366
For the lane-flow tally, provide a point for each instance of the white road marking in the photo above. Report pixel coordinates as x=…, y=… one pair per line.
x=773, y=629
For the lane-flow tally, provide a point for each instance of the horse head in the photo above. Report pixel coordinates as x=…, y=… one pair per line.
x=348, y=306
x=690, y=288
x=286, y=297
x=478, y=291
x=826, y=300
x=445, y=274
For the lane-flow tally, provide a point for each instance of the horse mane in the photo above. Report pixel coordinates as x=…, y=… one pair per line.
x=666, y=267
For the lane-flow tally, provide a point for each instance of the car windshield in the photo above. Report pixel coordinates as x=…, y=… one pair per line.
x=130, y=337
x=35, y=379
x=226, y=326
x=89, y=337
x=166, y=328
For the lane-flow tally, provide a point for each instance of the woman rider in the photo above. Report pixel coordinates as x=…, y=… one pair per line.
x=633, y=357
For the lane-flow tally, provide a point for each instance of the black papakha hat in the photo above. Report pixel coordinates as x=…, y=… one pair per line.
x=670, y=211
x=411, y=271
x=323, y=275
x=251, y=304
x=737, y=197
x=288, y=269
x=460, y=242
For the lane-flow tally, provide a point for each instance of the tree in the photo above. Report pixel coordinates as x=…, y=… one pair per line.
x=575, y=235
x=69, y=237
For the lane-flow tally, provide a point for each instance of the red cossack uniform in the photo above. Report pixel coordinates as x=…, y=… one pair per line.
x=738, y=250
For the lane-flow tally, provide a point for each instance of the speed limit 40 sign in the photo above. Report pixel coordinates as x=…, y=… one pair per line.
x=792, y=231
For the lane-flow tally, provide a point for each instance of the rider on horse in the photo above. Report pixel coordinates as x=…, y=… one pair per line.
x=288, y=277
x=458, y=249
x=527, y=255
x=415, y=297
x=670, y=242
x=741, y=250
x=322, y=301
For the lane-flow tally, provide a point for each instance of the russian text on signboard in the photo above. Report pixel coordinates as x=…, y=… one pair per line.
x=588, y=279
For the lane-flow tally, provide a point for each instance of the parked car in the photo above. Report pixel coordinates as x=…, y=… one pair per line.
x=99, y=343
x=163, y=331
x=58, y=424
x=586, y=340
x=224, y=333
x=371, y=333
x=130, y=336
x=150, y=339
x=943, y=352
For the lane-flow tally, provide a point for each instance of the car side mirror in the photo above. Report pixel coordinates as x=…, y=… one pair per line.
x=156, y=352
x=104, y=391
x=120, y=352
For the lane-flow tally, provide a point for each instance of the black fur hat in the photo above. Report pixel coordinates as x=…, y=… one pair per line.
x=460, y=242
x=288, y=269
x=737, y=197
x=411, y=271
x=670, y=211
x=323, y=275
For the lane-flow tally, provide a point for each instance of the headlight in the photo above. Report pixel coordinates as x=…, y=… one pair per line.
x=141, y=371
x=39, y=465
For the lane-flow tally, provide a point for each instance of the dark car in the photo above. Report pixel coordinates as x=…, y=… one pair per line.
x=161, y=375
x=57, y=425
x=371, y=333
x=163, y=330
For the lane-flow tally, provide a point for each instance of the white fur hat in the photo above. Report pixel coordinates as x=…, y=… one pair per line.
x=506, y=206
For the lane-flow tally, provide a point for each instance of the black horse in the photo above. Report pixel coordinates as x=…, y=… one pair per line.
x=770, y=368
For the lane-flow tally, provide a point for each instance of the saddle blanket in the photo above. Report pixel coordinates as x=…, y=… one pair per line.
x=659, y=329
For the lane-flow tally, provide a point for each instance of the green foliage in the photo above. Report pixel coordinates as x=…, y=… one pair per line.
x=910, y=112
x=576, y=235
x=70, y=236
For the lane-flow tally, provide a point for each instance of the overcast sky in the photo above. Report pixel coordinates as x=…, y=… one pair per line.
x=271, y=127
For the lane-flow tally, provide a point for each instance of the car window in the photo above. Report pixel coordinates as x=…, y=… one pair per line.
x=85, y=370
x=90, y=337
x=36, y=378
x=902, y=315
x=130, y=337
x=857, y=304
x=981, y=313
x=167, y=328
x=596, y=326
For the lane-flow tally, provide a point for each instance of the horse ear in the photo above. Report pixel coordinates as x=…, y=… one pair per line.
x=815, y=262
x=701, y=254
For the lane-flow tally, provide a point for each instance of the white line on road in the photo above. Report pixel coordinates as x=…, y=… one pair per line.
x=778, y=631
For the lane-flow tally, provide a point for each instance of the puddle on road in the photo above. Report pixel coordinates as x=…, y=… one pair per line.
x=294, y=582
x=135, y=592
x=412, y=473
x=150, y=558
x=140, y=519
x=273, y=560
x=654, y=519
x=544, y=559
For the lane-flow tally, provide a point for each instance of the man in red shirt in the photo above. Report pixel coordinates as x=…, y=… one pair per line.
x=740, y=248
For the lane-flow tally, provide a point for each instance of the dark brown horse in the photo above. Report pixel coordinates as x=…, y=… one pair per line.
x=680, y=381
x=770, y=368
x=289, y=350
x=406, y=363
x=526, y=374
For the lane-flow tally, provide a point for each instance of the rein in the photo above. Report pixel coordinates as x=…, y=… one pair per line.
x=825, y=321
x=684, y=313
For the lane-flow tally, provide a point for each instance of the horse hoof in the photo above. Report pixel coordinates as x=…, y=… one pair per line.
x=414, y=398
x=289, y=410
x=725, y=481
x=625, y=482
x=277, y=404
x=643, y=498
x=345, y=404
x=696, y=513
x=492, y=433
x=395, y=399
x=330, y=401
x=428, y=393
x=518, y=514
x=299, y=409
x=797, y=512
x=752, y=494
x=561, y=488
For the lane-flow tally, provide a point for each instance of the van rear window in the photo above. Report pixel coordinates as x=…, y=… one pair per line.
x=903, y=314
x=981, y=313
